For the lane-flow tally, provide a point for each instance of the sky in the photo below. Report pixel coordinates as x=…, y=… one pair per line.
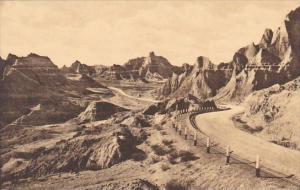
x=112, y=32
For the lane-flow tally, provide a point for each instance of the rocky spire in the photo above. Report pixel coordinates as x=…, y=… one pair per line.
x=266, y=38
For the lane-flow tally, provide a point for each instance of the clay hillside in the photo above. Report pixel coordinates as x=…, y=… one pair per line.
x=32, y=80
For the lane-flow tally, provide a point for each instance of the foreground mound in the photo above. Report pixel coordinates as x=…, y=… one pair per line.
x=90, y=149
x=99, y=111
x=138, y=184
x=276, y=110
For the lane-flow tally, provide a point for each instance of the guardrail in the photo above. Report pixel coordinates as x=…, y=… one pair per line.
x=200, y=138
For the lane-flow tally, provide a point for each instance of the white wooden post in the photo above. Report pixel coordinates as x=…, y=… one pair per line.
x=257, y=166
x=208, y=145
x=227, y=154
x=180, y=129
x=195, y=138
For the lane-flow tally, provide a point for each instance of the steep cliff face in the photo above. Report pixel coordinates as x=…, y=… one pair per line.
x=2, y=67
x=293, y=27
x=202, y=80
x=275, y=59
x=33, y=70
x=26, y=80
x=174, y=82
x=34, y=79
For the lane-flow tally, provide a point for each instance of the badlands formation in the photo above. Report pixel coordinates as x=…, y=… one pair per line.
x=110, y=127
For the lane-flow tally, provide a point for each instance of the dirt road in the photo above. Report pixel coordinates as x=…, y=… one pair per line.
x=132, y=97
x=220, y=127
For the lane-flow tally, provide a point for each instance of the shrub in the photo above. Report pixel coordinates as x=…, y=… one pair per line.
x=176, y=185
x=182, y=156
x=158, y=127
x=163, y=133
x=187, y=156
x=154, y=159
x=159, y=150
x=165, y=167
x=167, y=142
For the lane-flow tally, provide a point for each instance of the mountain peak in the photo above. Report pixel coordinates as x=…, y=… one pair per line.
x=266, y=39
x=34, y=55
x=151, y=54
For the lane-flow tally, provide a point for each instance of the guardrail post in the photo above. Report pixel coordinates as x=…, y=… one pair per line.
x=195, y=138
x=227, y=154
x=207, y=145
x=179, y=129
x=257, y=167
x=185, y=133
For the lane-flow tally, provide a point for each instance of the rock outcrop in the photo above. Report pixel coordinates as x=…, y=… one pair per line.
x=26, y=80
x=202, y=80
x=150, y=68
x=99, y=111
x=100, y=69
x=79, y=68
x=34, y=79
x=187, y=102
x=274, y=60
x=92, y=149
x=275, y=109
x=137, y=184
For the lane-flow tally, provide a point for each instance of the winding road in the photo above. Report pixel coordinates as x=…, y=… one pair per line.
x=120, y=91
x=220, y=127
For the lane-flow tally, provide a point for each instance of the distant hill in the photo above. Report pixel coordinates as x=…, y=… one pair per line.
x=150, y=68
x=34, y=79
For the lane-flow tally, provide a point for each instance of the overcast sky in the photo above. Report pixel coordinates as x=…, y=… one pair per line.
x=103, y=32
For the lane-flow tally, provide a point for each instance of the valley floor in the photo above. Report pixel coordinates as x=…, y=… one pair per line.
x=193, y=168
x=166, y=159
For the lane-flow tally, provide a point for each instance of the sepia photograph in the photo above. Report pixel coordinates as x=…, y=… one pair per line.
x=150, y=95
